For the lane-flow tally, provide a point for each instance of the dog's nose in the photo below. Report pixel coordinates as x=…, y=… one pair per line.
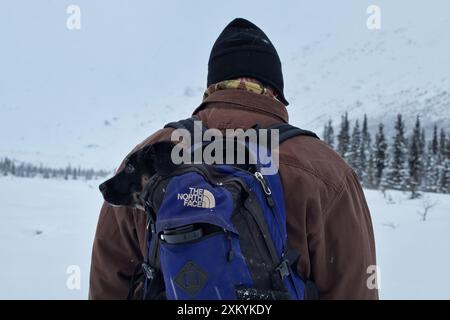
x=102, y=188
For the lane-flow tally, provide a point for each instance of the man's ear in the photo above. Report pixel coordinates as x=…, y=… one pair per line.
x=162, y=161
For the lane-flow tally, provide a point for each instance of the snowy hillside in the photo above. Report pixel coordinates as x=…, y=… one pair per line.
x=53, y=226
x=402, y=70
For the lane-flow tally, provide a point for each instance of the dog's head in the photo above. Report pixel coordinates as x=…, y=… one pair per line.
x=125, y=187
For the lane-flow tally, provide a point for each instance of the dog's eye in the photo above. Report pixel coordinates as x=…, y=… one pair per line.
x=129, y=169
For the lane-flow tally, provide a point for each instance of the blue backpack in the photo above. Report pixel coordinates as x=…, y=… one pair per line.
x=218, y=232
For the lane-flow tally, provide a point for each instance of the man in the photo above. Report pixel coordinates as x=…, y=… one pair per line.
x=328, y=221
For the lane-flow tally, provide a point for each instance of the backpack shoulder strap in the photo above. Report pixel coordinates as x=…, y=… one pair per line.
x=288, y=131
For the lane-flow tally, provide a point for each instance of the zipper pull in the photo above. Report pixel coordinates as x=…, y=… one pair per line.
x=266, y=189
x=263, y=183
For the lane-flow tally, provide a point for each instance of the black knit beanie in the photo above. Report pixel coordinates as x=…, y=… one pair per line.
x=244, y=50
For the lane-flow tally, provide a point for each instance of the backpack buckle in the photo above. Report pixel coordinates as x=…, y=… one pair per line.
x=148, y=271
x=283, y=269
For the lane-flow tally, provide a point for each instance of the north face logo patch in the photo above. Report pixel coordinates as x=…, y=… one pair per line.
x=197, y=198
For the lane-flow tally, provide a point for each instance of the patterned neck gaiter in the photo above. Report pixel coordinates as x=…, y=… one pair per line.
x=247, y=84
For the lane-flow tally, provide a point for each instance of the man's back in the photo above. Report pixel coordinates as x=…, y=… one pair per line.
x=328, y=221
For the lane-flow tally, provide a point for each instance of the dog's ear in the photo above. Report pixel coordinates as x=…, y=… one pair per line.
x=161, y=154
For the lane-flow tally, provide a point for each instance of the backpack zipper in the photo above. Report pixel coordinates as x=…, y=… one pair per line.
x=266, y=188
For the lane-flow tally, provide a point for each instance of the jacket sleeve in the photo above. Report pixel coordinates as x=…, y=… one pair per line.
x=342, y=251
x=117, y=249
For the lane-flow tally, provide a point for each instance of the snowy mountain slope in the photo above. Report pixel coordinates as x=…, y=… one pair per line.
x=42, y=237
x=87, y=97
x=405, y=70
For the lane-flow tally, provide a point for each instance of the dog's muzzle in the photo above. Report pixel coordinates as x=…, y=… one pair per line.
x=103, y=188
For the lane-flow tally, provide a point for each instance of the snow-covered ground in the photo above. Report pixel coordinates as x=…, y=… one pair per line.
x=45, y=227
x=413, y=255
x=48, y=225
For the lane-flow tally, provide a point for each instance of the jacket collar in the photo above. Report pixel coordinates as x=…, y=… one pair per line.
x=246, y=100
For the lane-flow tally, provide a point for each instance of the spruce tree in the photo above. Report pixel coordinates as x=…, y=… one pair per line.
x=370, y=172
x=423, y=154
x=328, y=133
x=325, y=133
x=13, y=169
x=447, y=147
x=344, y=137
x=434, y=142
x=442, y=145
x=441, y=171
x=444, y=177
x=432, y=166
x=354, y=157
x=415, y=160
x=397, y=170
x=366, y=150
x=380, y=149
x=423, y=141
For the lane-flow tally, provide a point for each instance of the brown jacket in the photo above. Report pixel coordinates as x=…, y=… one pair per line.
x=328, y=220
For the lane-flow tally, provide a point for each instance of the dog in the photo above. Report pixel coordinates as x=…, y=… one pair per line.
x=125, y=188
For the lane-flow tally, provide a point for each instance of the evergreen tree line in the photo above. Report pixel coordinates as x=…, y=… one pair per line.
x=408, y=162
x=23, y=169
